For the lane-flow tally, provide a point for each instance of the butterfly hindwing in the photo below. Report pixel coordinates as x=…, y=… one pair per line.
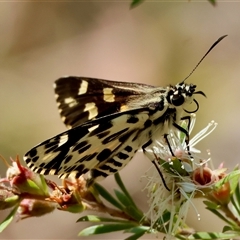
x=101, y=145
x=81, y=99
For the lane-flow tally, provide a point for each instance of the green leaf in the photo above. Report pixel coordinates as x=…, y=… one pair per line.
x=234, y=182
x=8, y=219
x=75, y=208
x=162, y=223
x=44, y=185
x=138, y=229
x=235, y=200
x=122, y=187
x=106, y=195
x=33, y=186
x=9, y=202
x=131, y=210
x=180, y=237
x=175, y=166
x=123, y=198
x=217, y=213
x=164, y=218
x=93, y=218
x=30, y=186
x=138, y=232
x=135, y=3
x=213, y=2
x=237, y=193
x=12, y=199
x=232, y=177
x=212, y=235
x=228, y=228
x=235, y=204
x=135, y=213
x=136, y=236
x=105, y=228
x=211, y=205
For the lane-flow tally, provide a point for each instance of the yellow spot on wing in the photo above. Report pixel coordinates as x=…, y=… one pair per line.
x=63, y=139
x=49, y=156
x=83, y=88
x=71, y=102
x=108, y=96
x=52, y=171
x=92, y=128
x=123, y=108
x=91, y=108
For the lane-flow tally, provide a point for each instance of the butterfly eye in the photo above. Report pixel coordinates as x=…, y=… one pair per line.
x=177, y=100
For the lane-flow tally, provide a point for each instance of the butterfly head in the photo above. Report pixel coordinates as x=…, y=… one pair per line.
x=183, y=94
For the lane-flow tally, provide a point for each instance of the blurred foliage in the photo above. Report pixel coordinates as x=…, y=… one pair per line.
x=136, y=3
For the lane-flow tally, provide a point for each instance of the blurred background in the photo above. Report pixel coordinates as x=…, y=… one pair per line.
x=157, y=43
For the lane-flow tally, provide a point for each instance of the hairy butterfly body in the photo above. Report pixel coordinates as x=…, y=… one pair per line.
x=109, y=121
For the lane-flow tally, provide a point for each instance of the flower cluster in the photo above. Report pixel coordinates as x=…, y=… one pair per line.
x=182, y=175
x=31, y=195
x=185, y=173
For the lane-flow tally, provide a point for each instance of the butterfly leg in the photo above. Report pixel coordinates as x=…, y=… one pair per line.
x=185, y=131
x=147, y=144
x=169, y=146
x=181, y=129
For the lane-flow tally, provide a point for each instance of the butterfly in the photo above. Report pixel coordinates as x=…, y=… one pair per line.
x=108, y=123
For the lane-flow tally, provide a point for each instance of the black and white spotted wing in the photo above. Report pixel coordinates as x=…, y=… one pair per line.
x=81, y=99
x=109, y=122
x=105, y=145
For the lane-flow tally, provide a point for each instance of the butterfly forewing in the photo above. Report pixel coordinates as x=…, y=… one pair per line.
x=81, y=99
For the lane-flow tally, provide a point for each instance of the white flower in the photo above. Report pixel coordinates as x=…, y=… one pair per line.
x=177, y=174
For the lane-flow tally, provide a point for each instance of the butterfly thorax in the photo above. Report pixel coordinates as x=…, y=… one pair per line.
x=169, y=109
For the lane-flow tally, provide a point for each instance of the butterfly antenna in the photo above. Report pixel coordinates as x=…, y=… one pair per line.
x=210, y=49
